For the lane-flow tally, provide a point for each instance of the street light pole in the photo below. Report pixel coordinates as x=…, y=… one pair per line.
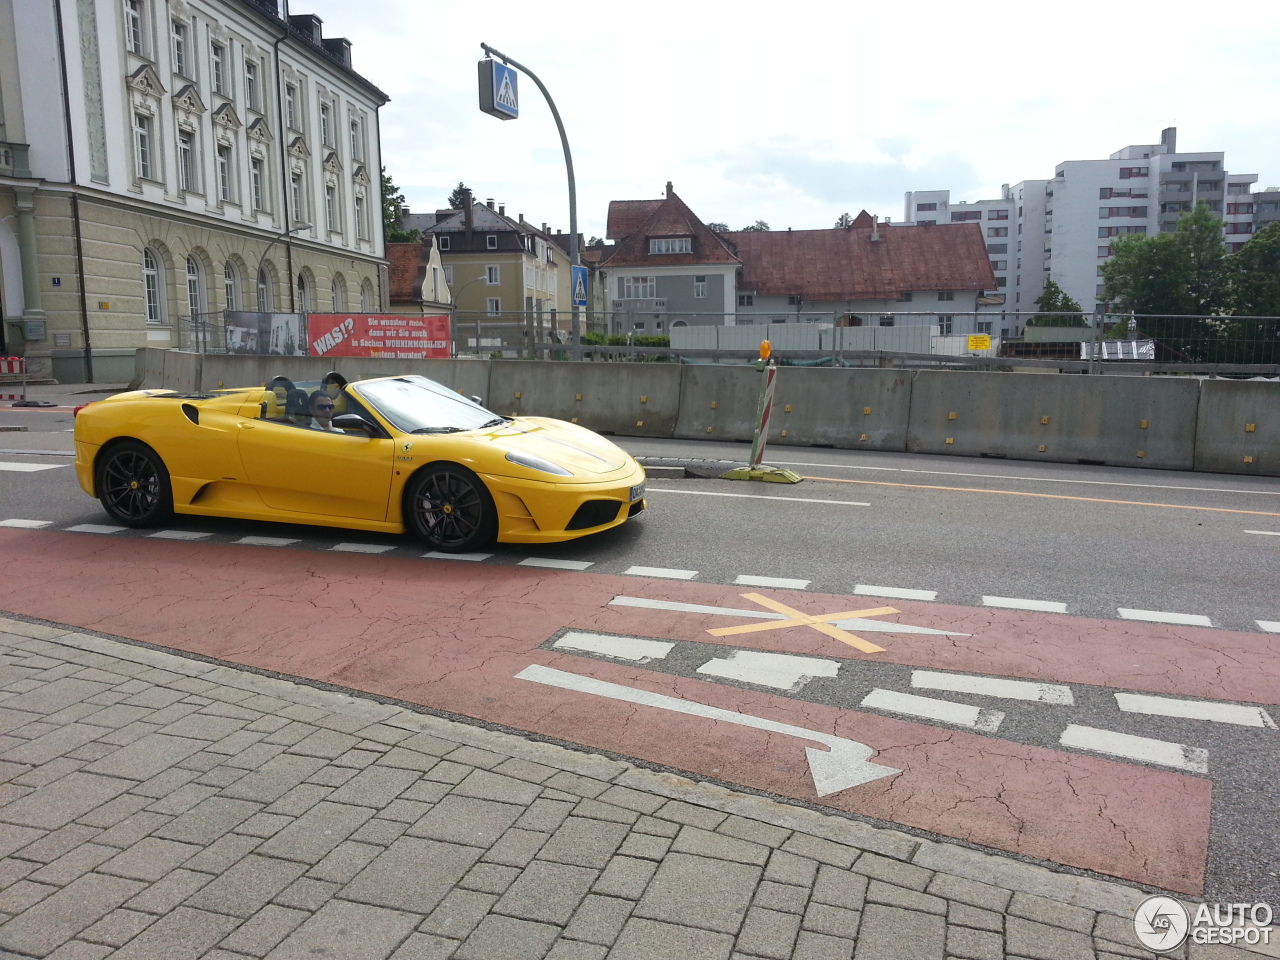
x=574, y=256
x=455, y=306
x=257, y=277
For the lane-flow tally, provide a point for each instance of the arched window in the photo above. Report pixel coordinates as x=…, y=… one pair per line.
x=338, y=292
x=366, y=296
x=231, y=285
x=264, y=291
x=153, y=285
x=195, y=287
x=304, y=294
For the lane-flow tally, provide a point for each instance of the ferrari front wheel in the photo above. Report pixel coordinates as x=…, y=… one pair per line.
x=450, y=508
x=133, y=485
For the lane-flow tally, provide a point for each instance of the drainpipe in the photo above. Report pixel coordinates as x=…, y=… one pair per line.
x=285, y=180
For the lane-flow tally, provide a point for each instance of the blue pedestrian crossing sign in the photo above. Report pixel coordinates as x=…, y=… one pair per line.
x=579, y=286
x=499, y=92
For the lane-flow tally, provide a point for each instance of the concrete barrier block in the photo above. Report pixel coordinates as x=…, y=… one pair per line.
x=858, y=409
x=627, y=399
x=1238, y=429
x=182, y=371
x=148, y=372
x=718, y=402
x=1118, y=421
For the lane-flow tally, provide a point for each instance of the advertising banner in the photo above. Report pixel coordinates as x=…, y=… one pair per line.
x=278, y=334
x=378, y=335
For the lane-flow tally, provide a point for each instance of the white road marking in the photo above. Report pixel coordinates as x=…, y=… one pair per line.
x=95, y=528
x=1176, y=755
x=844, y=764
x=26, y=524
x=944, y=711
x=623, y=648
x=897, y=593
x=179, y=535
x=857, y=623
x=1271, y=626
x=770, y=669
x=266, y=541
x=1265, y=533
x=553, y=564
x=1239, y=714
x=441, y=555
x=754, y=496
x=29, y=467
x=781, y=583
x=1017, y=603
x=665, y=573
x=361, y=547
x=993, y=687
x=1161, y=616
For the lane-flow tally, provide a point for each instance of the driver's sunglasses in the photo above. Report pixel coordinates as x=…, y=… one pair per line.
x=324, y=406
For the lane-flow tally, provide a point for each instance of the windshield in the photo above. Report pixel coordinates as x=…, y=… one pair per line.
x=419, y=405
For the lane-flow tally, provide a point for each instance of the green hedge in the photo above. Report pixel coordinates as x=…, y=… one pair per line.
x=620, y=340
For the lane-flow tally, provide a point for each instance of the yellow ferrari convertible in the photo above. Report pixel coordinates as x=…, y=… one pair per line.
x=391, y=455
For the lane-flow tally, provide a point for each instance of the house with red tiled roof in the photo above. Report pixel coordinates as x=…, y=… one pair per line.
x=666, y=268
x=866, y=274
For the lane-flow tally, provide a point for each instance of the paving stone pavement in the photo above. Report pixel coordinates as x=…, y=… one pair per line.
x=158, y=807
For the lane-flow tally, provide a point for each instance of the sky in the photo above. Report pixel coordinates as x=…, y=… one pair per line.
x=796, y=113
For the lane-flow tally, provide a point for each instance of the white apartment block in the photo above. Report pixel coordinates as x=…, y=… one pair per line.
x=164, y=160
x=1062, y=228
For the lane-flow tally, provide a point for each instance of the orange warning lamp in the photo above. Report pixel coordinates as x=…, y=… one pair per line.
x=766, y=349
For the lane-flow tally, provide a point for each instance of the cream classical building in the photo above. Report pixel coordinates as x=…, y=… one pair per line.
x=164, y=160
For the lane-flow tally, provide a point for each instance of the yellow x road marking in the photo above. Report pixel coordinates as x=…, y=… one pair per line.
x=820, y=623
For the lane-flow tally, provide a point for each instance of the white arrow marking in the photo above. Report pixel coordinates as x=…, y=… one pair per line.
x=843, y=765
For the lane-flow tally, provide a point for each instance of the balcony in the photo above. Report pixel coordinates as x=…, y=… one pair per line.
x=13, y=160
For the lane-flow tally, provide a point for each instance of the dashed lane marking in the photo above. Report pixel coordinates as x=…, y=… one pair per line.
x=794, y=618
x=1162, y=752
x=25, y=524
x=95, y=528
x=781, y=583
x=1239, y=714
x=179, y=535
x=754, y=496
x=982, y=719
x=1271, y=626
x=993, y=687
x=770, y=669
x=1017, y=603
x=1163, y=616
x=635, y=649
x=862, y=626
x=28, y=467
x=267, y=541
x=552, y=563
x=362, y=547
x=473, y=557
x=661, y=573
x=1265, y=533
x=897, y=593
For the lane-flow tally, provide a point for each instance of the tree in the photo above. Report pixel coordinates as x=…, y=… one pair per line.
x=843, y=222
x=1254, y=275
x=718, y=227
x=595, y=242
x=757, y=227
x=458, y=197
x=1054, y=300
x=392, y=201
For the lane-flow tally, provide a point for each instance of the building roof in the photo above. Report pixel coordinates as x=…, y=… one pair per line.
x=846, y=264
x=406, y=268
x=669, y=217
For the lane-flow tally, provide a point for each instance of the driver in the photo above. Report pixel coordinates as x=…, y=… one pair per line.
x=320, y=408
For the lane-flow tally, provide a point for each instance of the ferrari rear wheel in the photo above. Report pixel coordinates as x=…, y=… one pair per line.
x=133, y=485
x=450, y=508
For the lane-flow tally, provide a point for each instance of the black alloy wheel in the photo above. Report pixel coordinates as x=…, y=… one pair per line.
x=133, y=485
x=450, y=508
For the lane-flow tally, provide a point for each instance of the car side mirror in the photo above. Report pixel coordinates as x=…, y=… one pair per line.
x=353, y=421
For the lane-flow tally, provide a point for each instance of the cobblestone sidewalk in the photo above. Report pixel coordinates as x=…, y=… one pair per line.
x=155, y=806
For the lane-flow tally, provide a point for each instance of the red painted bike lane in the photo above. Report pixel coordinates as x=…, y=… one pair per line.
x=454, y=635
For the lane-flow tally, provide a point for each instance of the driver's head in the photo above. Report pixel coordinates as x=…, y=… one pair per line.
x=320, y=405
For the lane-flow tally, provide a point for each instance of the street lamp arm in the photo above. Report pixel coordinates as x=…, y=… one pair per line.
x=274, y=240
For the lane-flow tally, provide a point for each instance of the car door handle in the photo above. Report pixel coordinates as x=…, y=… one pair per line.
x=247, y=426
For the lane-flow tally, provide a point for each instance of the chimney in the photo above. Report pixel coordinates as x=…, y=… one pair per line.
x=875, y=229
x=468, y=215
x=1006, y=192
x=502, y=209
x=670, y=192
x=1169, y=137
x=489, y=203
x=544, y=226
x=558, y=231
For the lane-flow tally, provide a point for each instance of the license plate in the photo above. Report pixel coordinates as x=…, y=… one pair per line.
x=636, y=492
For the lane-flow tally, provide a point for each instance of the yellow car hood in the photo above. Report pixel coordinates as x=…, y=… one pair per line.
x=572, y=447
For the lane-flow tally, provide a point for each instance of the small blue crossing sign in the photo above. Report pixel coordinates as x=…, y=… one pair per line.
x=579, y=286
x=499, y=90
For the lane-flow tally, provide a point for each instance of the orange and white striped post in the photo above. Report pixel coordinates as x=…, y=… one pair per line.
x=11, y=366
x=755, y=469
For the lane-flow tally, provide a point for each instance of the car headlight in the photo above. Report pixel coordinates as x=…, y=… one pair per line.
x=537, y=463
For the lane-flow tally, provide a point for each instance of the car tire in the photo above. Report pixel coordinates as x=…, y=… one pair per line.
x=133, y=485
x=450, y=508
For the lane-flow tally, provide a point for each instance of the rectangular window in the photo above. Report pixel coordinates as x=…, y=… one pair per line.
x=494, y=306
x=357, y=141
x=1239, y=208
x=794, y=300
x=187, y=161
x=142, y=145
x=331, y=207
x=217, y=67
x=746, y=300
x=1105, y=213
x=296, y=198
x=1104, y=232
x=491, y=242
x=959, y=216
x=255, y=183
x=904, y=296
x=999, y=264
x=997, y=231
x=180, y=64
x=886, y=320
x=671, y=245
x=446, y=243
x=448, y=275
x=133, y=26
x=639, y=288
x=926, y=223
x=997, y=248
x=291, y=105
x=946, y=295
x=362, y=226
x=251, y=85
x=224, y=172
x=493, y=275
x=925, y=207
x=944, y=325
x=699, y=287
x=326, y=124
x=984, y=326
x=1245, y=227
x=1128, y=173
x=1002, y=281
x=997, y=214
x=1104, y=251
